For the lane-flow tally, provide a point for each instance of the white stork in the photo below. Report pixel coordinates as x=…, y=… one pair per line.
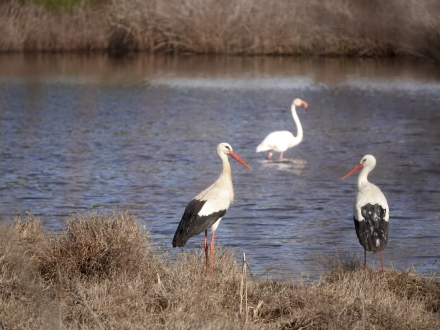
x=280, y=141
x=370, y=211
x=208, y=208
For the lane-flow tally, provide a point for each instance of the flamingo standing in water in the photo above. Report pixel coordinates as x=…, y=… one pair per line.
x=280, y=141
x=208, y=208
x=370, y=211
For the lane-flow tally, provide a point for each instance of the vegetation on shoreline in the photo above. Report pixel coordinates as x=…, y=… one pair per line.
x=251, y=27
x=103, y=272
x=56, y=6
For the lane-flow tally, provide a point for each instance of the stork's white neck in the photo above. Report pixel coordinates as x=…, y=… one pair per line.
x=225, y=164
x=363, y=177
x=298, y=138
x=225, y=178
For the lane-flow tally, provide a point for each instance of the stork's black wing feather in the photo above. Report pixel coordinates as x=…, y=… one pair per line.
x=372, y=232
x=192, y=224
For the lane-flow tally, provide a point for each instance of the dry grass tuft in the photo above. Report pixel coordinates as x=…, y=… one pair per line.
x=22, y=293
x=103, y=272
x=96, y=245
x=252, y=27
x=412, y=287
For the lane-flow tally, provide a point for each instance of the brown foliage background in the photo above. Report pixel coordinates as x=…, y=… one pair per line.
x=252, y=27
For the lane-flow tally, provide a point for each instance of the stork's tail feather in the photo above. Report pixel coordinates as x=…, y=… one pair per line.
x=190, y=223
x=262, y=147
x=372, y=230
x=180, y=237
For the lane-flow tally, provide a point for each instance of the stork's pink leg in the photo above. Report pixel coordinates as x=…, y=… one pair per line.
x=269, y=156
x=365, y=259
x=281, y=155
x=206, y=248
x=381, y=262
x=212, y=253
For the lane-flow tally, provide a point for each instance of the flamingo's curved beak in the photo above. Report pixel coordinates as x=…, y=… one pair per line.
x=354, y=169
x=238, y=159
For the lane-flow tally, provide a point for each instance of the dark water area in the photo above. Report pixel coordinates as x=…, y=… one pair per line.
x=80, y=133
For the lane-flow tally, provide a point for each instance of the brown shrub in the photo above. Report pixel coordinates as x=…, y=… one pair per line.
x=252, y=27
x=103, y=272
x=415, y=288
x=22, y=293
x=97, y=245
x=22, y=236
x=32, y=28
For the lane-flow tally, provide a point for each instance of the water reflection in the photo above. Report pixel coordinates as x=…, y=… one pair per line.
x=294, y=166
x=78, y=133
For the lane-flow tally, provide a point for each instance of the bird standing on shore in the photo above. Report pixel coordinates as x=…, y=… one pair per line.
x=280, y=141
x=208, y=208
x=370, y=211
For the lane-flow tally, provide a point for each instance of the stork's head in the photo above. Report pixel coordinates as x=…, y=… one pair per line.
x=300, y=103
x=225, y=148
x=366, y=161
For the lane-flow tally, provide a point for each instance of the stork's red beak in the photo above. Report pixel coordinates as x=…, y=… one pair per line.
x=304, y=105
x=238, y=159
x=358, y=166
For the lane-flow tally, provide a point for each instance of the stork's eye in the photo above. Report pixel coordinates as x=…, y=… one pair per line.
x=364, y=160
x=228, y=148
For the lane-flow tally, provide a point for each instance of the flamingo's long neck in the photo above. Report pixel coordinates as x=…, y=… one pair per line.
x=299, y=136
x=225, y=179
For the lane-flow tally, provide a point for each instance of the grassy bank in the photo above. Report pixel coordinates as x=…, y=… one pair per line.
x=103, y=272
x=253, y=27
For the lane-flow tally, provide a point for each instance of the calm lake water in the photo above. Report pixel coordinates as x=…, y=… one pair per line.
x=92, y=132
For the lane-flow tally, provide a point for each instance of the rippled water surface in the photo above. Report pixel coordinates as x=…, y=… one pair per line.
x=80, y=133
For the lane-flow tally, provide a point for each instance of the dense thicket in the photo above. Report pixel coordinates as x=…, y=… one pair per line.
x=251, y=27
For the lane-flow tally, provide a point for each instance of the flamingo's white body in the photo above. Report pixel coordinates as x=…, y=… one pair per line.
x=280, y=141
x=370, y=211
x=208, y=208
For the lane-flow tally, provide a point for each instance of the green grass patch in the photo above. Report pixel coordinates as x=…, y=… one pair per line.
x=56, y=6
